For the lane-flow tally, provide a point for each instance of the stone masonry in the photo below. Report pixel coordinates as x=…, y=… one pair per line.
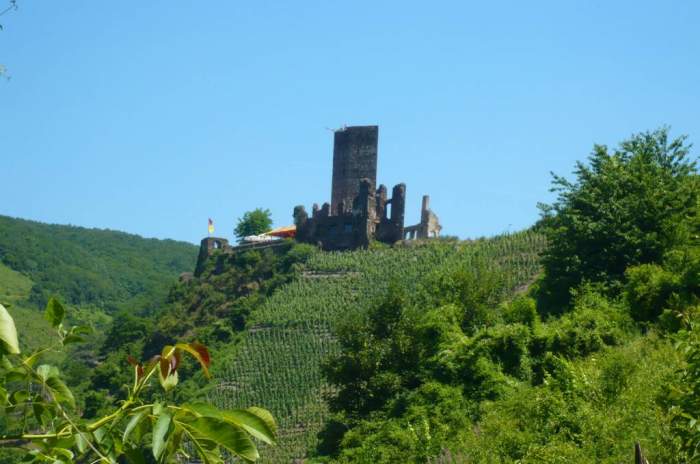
x=358, y=211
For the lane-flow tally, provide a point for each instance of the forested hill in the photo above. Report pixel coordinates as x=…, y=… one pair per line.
x=103, y=268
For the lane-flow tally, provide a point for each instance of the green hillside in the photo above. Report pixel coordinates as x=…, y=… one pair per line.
x=14, y=291
x=89, y=267
x=278, y=364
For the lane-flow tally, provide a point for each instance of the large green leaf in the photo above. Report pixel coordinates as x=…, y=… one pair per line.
x=202, y=409
x=133, y=422
x=54, y=312
x=252, y=423
x=60, y=391
x=160, y=433
x=256, y=421
x=49, y=376
x=265, y=415
x=81, y=442
x=8, y=333
x=226, y=435
x=207, y=449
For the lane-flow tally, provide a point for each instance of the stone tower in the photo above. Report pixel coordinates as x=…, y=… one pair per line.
x=354, y=159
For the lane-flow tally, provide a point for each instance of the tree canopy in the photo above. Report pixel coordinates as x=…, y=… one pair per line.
x=626, y=207
x=253, y=222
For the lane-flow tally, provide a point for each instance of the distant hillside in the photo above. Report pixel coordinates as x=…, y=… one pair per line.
x=106, y=269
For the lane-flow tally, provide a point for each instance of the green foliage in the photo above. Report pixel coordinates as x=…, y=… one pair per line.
x=41, y=419
x=626, y=207
x=253, y=222
x=14, y=291
x=291, y=331
x=442, y=332
x=684, y=395
x=431, y=422
x=593, y=324
x=229, y=290
x=589, y=410
x=582, y=387
x=108, y=269
x=521, y=310
x=649, y=288
x=669, y=292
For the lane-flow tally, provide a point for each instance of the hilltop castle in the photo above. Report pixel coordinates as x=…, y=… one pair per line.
x=359, y=211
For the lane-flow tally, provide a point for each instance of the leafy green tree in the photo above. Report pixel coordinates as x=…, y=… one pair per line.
x=626, y=207
x=253, y=222
x=49, y=429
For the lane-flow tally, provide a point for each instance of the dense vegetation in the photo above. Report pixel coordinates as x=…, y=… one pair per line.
x=628, y=206
x=102, y=275
x=213, y=309
x=40, y=422
x=277, y=363
x=577, y=370
x=105, y=269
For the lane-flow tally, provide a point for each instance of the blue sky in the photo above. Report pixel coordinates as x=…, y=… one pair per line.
x=150, y=117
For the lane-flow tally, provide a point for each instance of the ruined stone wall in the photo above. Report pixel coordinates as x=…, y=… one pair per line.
x=355, y=227
x=354, y=159
x=208, y=246
x=429, y=225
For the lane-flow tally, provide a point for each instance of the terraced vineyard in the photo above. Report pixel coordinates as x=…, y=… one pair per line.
x=278, y=365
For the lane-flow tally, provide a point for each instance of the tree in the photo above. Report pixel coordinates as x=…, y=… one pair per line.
x=48, y=428
x=626, y=207
x=253, y=222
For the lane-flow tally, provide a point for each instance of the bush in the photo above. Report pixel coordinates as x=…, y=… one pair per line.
x=626, y=207
x=648, y=290
x=593, y=324
x=521, y=310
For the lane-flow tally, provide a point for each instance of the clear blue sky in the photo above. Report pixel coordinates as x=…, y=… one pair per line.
x=151, y=116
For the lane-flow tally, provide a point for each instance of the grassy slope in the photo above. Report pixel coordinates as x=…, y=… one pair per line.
x=278, y=365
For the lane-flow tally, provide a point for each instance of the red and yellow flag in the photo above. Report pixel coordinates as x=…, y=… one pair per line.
x=210, y=227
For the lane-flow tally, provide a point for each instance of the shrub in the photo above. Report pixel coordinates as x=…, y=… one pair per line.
x=648, y=290
x=626, y=207
x=593, y=324
x=521, y=310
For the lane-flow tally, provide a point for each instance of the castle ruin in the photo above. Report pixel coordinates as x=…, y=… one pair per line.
x=359, y=211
